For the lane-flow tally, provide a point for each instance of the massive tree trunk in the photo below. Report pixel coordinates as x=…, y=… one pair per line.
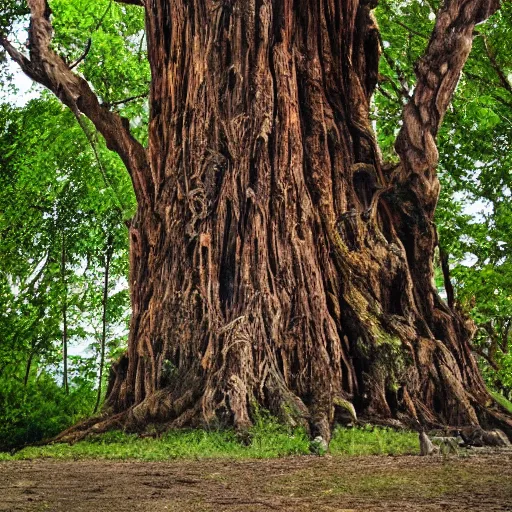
x=275, y=260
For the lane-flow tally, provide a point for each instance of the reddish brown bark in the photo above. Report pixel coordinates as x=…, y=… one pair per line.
x=274, y=260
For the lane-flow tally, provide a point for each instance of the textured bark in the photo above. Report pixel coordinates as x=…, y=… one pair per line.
x=280, y=264
x=275, y=261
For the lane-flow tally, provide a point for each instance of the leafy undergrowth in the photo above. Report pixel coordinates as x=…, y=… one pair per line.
x=266, y=440
x=40, y=409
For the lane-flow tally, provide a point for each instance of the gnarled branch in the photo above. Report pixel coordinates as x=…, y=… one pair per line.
x=438, y=72
x=49, y=69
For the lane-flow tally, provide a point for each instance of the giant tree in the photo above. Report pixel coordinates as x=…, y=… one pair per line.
x=276, y=260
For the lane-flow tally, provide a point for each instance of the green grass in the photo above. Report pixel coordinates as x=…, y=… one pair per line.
x=267, y=440
x=272, y=441
x=502, y=401
x=373, y=441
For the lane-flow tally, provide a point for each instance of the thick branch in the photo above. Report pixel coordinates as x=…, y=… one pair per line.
x=49, y=69
x=438, y=72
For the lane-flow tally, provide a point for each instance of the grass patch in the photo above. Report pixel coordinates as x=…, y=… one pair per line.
x=371, y=440
x=267, y=439
x=271, y=441
x=506, y=404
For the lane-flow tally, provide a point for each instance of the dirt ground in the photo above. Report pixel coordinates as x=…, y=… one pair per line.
x=482, y=483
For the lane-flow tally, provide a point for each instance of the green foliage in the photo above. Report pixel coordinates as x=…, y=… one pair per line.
x=477, y=179
x=58, y=210
x=64, y=201
x=116, y=63
x=39, y=410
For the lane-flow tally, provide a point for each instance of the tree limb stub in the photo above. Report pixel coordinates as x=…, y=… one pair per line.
x=50, y=70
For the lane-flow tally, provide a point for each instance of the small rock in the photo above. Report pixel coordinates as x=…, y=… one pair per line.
x=319, y=446
x=426, y=446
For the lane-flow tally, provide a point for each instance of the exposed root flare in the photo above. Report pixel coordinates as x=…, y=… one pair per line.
x=95, y=425
x=159, y=413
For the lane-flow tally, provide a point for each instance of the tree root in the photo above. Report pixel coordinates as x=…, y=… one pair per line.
x=156, y=411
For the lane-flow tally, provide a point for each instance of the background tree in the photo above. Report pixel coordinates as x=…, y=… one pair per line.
x=53, y=198
x=261, y=155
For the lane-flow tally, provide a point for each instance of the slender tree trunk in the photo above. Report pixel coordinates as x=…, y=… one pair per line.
x=28, y=368
x=445, y=267
x=65, y=384
x=104, y=304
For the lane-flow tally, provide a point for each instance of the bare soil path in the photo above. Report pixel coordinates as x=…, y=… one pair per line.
x=481, y=483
